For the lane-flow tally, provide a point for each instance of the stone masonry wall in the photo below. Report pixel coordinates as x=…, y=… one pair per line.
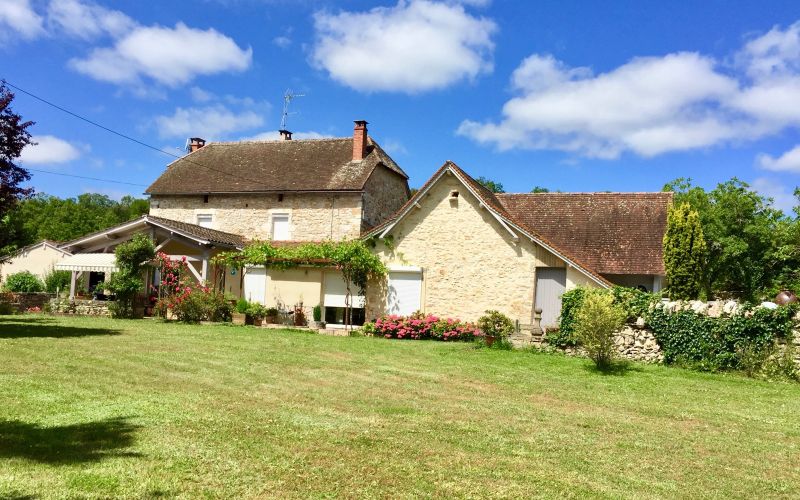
x=385, y=192
x=470, y=263
x=21, y=302
x=312, y=216
x=80, y=307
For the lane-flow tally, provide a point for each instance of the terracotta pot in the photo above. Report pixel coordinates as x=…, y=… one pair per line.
x=271, y=319
x=785, y=297
x=258, y=321
x=489, y=339
x=238, y=318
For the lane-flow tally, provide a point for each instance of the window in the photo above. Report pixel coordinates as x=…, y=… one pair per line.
x=205, y=220
x=280, y=227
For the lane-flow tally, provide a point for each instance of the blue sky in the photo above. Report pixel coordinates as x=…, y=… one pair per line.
x=576, y=96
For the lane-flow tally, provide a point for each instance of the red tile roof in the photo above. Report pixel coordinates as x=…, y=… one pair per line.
x=613, y=233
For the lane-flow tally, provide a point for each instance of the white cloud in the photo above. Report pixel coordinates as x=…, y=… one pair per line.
x=87, y=20
x=650, y=106
x=415, y=46
x=782, y=198
x=274, y=135
x=282, y=41
x=200, y=95
x=18, y=16
x=395, y=147
x=169, y=56
x=210, y=122
x=49, y=150
x=787, y=162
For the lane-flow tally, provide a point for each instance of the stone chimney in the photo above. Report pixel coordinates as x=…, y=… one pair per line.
x=196, y=143
x=360, y=140
x=285, y=135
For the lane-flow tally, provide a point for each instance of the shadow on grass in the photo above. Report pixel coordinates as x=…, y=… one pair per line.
x=617, y=368
x=67, y=444
x=13, y=327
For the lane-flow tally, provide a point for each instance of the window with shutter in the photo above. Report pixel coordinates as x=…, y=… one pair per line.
x=280, y=227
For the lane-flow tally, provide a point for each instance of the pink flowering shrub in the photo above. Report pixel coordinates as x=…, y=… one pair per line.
x=418, y=327
x=34, y=310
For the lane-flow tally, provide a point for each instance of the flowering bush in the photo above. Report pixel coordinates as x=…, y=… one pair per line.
x=33, y=310
x=418, y=326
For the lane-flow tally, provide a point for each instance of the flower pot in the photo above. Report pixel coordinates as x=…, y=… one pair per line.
x=238, y=318
x=258, y=321
x=786, y=297
x=271, y=319
x=489, y=339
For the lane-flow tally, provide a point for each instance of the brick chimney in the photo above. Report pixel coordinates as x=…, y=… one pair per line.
x=196, y=143
x=285, y=135
x=360, y=140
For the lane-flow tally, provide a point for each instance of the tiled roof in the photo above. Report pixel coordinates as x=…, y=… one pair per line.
x=200, y=232
x=264, y=166
x=613, y=233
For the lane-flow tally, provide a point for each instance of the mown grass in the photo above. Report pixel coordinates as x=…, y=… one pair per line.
x=141, y=409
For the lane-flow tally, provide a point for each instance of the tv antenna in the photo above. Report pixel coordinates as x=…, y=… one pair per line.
x=287, y=98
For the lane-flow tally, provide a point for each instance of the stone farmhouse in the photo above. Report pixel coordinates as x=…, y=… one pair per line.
x=453, y=249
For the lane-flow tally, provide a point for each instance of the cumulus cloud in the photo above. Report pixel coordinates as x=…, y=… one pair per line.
x=787, y=162
x=169, y=56
x=87, y=20
x=48, y=150
x=18, y=16
x=210, y=122
x=650, y=105
x=415, y=46
x=274, y=135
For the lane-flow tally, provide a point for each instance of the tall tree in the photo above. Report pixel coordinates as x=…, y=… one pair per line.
x=491, y=185
x=14, y=136
x=684, y=252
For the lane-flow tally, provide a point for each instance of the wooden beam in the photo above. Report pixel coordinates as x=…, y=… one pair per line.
x=163, y=243
x=195, y=273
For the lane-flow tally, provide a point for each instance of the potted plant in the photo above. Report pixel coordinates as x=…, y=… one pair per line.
x=495, y=326
x=271, y=315
x=257, y=312
x=316, y=314
x=239, y=316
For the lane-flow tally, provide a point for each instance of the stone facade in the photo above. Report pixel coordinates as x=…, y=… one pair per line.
x=384, y=193
x=312, y=216
x=470, y=263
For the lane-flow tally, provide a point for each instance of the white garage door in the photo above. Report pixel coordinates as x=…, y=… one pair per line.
x=404, y=296
x=335, y=292
x=550, y=285
x=255, y=284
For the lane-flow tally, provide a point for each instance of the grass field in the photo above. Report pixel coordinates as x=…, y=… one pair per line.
x=141, y=409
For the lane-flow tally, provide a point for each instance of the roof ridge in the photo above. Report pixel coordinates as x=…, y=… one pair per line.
x=588, y=193
x=271, y=141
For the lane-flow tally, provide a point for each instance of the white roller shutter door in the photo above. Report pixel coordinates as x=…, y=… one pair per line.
x=335, y=292
x=405, y=293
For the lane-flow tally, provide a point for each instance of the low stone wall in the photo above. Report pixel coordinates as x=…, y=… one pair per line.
x=21, y=302
x=80, y=307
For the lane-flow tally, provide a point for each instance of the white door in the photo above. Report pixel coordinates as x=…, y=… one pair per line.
x=255, y=284
x=404, y=295
x=550, y=285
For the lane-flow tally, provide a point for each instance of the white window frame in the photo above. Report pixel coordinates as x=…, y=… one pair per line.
x=282, y=215
x=210, y=217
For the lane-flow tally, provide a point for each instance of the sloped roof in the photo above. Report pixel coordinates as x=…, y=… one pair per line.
x=493, y=203
x=614, y=233
x=266, y=166
x=193, y=231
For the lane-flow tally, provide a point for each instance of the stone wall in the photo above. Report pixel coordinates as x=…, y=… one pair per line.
x=312, y=216
x=384, y=192
x=470, y=262
x=80, y=307
x=21, y=302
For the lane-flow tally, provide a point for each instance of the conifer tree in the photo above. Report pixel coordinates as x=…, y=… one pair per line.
x=684, y=252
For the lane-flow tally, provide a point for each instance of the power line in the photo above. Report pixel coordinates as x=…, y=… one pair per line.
x=84, y=177
x=124, y=136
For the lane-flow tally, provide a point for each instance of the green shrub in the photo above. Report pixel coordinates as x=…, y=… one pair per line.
x=256, y=310
x=495, y=324
x=596, y=321
x=132, y=257
x=564, y=336
x=191, y=308
x=317, y=313
x=216, y=306
x=6, y=309
x=241, y=306
x=56, y=281
x=23, y=282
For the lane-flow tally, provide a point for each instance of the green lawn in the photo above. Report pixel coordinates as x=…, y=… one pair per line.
x=142, y=409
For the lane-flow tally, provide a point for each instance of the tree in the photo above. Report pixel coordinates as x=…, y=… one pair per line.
x=127, y=283
x=491, y=185
x=684, y=252
x=14, y=136
x=539, y=189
